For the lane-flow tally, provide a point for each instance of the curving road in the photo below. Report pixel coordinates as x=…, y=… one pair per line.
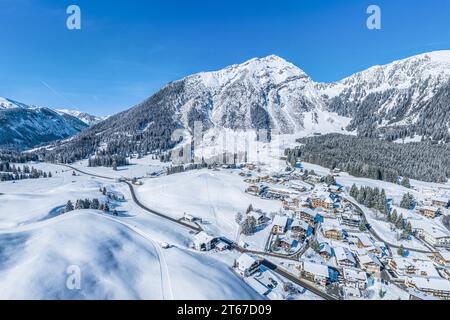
x=136, y=200
x=377, y=236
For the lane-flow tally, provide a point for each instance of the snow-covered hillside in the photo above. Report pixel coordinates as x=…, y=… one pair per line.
x=119, y=257
x=87, y=118
x=412, y=93
x=23, y=126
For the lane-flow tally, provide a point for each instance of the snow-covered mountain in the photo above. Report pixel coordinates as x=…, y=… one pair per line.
x=408, y=96
x=23, y=126
x=87, y=118
x=404, y=98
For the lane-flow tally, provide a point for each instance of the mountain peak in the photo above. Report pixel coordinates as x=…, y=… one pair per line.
x=6, y=103
x=270, y=69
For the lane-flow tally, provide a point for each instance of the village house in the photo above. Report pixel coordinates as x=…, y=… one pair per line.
x=354, y=278
x=316, y=273
x=204, y=242
x=334, y=189
x=247, y=265
x=307, y=215
x=437, y=287
x=291, y=204
x=287, y=243
x=370, y=263
x=442, y=257
x=297, y=186
x=432, y=234
x=300, y=229
x=279, y=224
x=408, y=267
x=222, y=246
x=258, y=216
x=253, y=190
x=344, y=257
x=326, y=251
x=334, y=233
x=350, y=219
x=322, y=201
x=364, y=241
x=429, y=212
x=441, y=202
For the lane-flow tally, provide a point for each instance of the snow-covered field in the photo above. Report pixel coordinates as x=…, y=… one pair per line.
x=213, y=196
x=138, y=168
x=118, y=257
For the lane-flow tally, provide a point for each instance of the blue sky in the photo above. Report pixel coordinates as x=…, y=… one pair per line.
x=127, y=50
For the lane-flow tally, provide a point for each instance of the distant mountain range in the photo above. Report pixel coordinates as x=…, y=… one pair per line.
x=23, y=126
x=407, y=98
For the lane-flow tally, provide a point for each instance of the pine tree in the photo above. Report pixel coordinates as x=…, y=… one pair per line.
x=407, y=201
x=239, y=218
x=79, y=205
x=95, y=204
x=405, y=183
x=354, y=191
x=69, y=206
x=361, y=196
x=401, y=251
x=399, y=222
x=394, y=216
x=248, y=226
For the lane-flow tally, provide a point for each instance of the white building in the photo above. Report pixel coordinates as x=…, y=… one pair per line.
x=344, y=257
x=203, y=241
x=355, y=278
x=279, y=224
x=431, y=233
x=315, y=272
x=247, y=265
x=437, y=287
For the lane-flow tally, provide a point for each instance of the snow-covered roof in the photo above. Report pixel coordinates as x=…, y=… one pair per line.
x=316, y=269
x=365, y=240
x=258, y=286
x=354, y=274
x=445, y=254
x=429, y=228
x=425, y=266
x=245, y=261
x=280, y=221
x=342, y=253
x=429, y=208
x=308, y=211
x=325, y=247
x=369, y=258
x=221, y=245
x=300, y=223
x=441, y=199
x=256, y=215
x=203, y=237
x=430, y=283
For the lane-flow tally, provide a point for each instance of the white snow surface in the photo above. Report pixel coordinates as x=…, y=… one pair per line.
x=119, y=257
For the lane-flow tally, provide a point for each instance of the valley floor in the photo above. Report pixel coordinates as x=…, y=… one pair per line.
x=134, y=254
